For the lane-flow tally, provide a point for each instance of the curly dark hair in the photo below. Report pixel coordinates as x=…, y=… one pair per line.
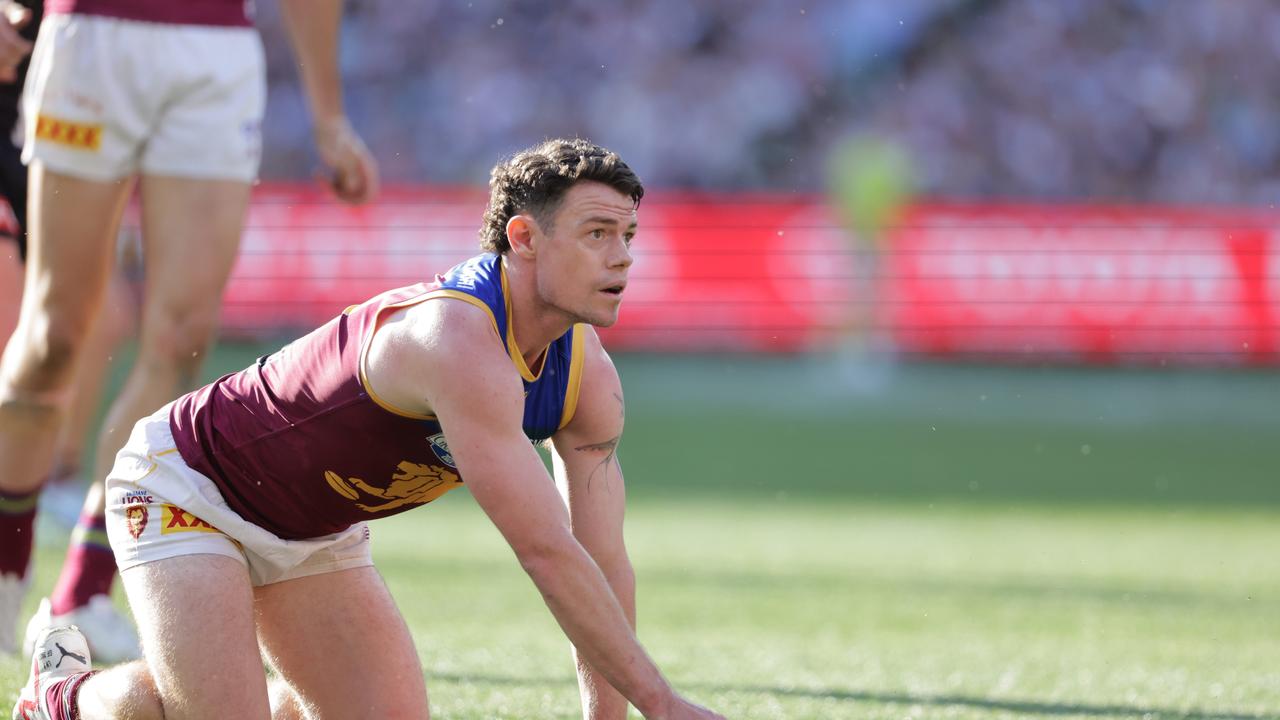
x=536, y=180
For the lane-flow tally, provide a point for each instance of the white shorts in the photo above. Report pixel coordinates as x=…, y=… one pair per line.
x=108, y=98
x=159, y=508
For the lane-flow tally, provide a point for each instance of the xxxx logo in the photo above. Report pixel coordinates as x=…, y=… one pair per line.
x=82, y=136
x=174, y=519
x=135, y=519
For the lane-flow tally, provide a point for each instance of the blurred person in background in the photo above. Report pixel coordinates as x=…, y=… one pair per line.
x=239, y=511
x=63, y=497
x=114, y=323
x=18, y=25
x=171, y=95
x=89, y=548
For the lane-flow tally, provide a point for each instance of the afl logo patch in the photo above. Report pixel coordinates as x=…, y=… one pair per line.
x=440, y=447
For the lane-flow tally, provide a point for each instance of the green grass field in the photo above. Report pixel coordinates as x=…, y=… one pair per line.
x=966, y=542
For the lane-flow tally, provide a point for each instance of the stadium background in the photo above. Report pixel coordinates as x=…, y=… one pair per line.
x=949, y=355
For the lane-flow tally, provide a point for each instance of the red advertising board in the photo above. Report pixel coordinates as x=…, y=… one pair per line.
x=1083, y=282
x=777, y=273
x=740, y=273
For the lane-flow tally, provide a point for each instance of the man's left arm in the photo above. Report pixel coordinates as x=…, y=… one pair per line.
x=590, y=480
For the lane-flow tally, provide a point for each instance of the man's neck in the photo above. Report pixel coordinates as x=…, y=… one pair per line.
x=534, y=324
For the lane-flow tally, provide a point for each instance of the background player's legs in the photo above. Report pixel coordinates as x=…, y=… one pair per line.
x=10, y=285
x=190, y=231
x=116, y=323
x=17, y=511
x=72, y=229
x=340, y=643
x=63, y=497
x=90, y=567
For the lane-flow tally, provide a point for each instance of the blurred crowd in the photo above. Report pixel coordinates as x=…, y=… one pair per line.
x=1136, y=100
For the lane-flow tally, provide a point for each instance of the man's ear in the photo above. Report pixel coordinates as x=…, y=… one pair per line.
x=521, y=231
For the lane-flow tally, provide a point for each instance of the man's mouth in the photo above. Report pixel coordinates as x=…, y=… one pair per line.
x=615, y=289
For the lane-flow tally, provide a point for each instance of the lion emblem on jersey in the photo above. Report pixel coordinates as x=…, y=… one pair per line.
x=135, y=519
x=414, y=484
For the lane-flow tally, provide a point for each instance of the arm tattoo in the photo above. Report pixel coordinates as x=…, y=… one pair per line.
x=609, y=447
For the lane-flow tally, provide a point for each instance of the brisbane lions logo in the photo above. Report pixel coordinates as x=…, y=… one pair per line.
x=414, y=484
x=135, y=519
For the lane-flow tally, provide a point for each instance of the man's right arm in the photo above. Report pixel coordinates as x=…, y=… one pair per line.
x=472, y=387
x=313, y=28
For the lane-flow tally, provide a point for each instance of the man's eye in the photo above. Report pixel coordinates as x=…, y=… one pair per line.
x=598, y=234
x=627, y=238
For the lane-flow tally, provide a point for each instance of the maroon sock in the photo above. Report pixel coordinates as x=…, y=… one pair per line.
x=89, y=569
x=17, y=531
x=63, y=697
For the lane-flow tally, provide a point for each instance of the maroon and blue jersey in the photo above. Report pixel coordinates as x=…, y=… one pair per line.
x=214, y=13
x=299, y=444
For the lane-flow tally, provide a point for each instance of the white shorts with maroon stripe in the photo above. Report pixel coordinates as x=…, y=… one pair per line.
x=107, y=98
x=159, y=508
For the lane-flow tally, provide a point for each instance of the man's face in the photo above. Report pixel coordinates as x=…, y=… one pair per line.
x=584, y=256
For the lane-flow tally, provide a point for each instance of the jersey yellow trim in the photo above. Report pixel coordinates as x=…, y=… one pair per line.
x=574, y=385
x=155, y=463
x=512, y=349
x=415, y=300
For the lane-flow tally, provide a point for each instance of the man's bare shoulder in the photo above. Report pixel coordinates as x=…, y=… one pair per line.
x=420, y=348
x=442, y=323
x=598, y=369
